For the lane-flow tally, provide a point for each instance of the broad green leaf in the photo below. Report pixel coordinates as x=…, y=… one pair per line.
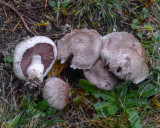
x=135, y=21
x=90, y=88
x=133, y=26
x=139, y=35
x=101, y=106
x=145, y=10
x=134, y=118
x=112, y=109
x=148, y=90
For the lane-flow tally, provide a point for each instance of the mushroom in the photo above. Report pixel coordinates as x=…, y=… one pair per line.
x=125, y=56
x=56, y=92
x=84, y=45
x=33, y=58
x=100, y=76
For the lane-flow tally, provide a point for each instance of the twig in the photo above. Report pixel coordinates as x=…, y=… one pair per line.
x=35, y=31
x=16, y=26
x=5, y=14
x=45, y=4
x=25, y=24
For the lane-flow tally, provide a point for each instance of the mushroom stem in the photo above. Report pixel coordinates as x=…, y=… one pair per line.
x=36, y=68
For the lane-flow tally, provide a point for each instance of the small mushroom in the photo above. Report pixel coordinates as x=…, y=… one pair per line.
x=100, y=76
x=125, y=56
x=33, y=58
x=84, y=45
x=56, y=92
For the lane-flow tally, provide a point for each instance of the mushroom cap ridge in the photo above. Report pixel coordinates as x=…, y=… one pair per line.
x=84, y=44
x=23, y=46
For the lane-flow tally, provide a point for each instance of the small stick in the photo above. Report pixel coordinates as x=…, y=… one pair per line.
x=5, y=14
x=25, y=24
x=35, y=31
x=16, y=25
x=45, y=4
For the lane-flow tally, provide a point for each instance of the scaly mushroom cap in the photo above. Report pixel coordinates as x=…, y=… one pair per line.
x=124, y=56
x=84, y=45
x=40, y=48
x=56, y=92
x=100, y=76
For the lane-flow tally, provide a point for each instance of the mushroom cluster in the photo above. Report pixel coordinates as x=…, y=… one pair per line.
x=104, y=60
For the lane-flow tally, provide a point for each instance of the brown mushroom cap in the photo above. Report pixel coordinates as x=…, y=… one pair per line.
x=56, y=92
x=84, y=45
x=125, y=56
x=100, y=76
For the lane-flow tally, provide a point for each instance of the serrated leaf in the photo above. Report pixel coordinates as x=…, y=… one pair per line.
x=134, y=118
x=90, y=88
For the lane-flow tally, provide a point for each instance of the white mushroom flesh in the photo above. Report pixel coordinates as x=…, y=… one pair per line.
x=36, y=68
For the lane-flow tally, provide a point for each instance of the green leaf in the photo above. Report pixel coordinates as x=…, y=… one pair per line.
x=99, y=106
x=135, y=21
x=145, y=10
x=42, y=105
x=9, y=59
x=133, y=26
x=50, y=111
x=134, y=13
x=112, y=109
x=90, y=88
x=52, y=3
x=101, y=109
x=13, y=122
x=139, y=35
x=134, y=118
x=148, y=90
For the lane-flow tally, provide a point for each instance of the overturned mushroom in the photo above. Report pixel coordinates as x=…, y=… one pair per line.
x=33, y=58
x=124, y=56
x=56, y=92
x=100, y=76
x=84, y=45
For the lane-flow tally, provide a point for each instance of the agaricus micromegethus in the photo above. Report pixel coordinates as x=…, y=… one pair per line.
x=125, y=56
x=84, y=45
x=33, y=58
x=56, y=92
x=100, y=76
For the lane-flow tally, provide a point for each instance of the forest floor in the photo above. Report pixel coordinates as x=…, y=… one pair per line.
x=126, y=106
